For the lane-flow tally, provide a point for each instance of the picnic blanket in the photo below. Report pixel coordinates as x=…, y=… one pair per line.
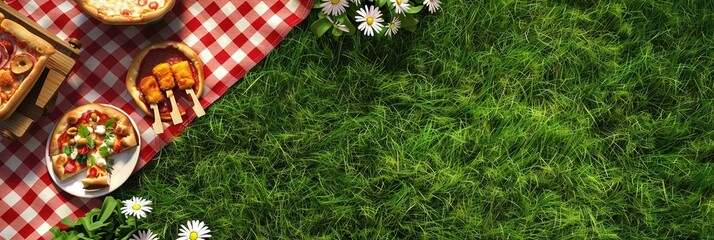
x=230, y=37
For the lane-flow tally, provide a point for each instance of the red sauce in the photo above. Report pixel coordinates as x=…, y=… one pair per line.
x=117, y=144
x=86, y=117
x=62, y=141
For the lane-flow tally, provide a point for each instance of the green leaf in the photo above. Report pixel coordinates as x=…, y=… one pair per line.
x=81, y=158
x=91, y=160
x=380, y=3
x=90, y=142
x=104, y=151
x=343, y=19
x=108, y=208
x=108, y=168
x=408, y=20
x=83, y=131
x=68, y=222
x=317, y=4
x=415, y=9
x=109, y=124
x=336, y=32
x=67, y=150
x=320, y=26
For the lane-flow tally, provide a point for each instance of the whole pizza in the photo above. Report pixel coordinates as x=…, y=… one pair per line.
x=125, y=12
x=22, y=59
x=86, y=138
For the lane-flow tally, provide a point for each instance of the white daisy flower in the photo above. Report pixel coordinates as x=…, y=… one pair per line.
x=194, y=230
x=371, y=20
x=144, y=235
x=334, y=7
x=357, y=1
x=338, y=25
x=136, y=206
x=401, y=6
x=433, y=5
x=393, y=26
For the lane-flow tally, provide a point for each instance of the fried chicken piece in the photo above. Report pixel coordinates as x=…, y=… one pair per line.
x=183, y=75
x=6, y=80
x=151, y=90
x=162, y=72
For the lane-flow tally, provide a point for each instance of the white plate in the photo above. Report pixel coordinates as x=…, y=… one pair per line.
x=124, y=163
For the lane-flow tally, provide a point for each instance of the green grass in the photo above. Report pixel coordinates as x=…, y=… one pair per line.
x=496, y=119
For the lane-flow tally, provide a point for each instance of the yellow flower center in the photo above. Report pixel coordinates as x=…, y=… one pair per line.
x=370, y=20
x=334, y=2
x=136, y=207
x=334, y=25
x=399, y=2
x=391, y=25
x=193, y=235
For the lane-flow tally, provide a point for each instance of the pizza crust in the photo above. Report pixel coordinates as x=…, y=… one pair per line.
x=58, y=162
x=94, y=183
x=43, y=49
x=133, y=73
x=128, y=133
x=122, y=20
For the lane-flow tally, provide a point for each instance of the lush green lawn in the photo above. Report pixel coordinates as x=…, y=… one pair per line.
x=497, y=119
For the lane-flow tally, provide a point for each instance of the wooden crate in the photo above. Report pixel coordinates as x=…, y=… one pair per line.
x=41, y=98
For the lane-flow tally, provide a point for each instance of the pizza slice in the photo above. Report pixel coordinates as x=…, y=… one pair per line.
x=97, y=175
x=86, y=137
x=65, y=168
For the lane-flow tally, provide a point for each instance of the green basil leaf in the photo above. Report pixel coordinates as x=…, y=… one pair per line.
x=104, y=151
x=90, y=142
x=91, y=160
x=109, y=124
x=67, y=150
x=108, y=168
x=83, y=131
x=81, y=158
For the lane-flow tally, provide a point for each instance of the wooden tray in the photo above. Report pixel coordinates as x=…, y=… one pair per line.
x=40, y=99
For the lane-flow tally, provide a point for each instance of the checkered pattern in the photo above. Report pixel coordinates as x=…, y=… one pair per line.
x=229, y=36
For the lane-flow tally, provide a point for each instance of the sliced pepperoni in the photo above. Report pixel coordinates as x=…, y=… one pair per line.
x=92, y=173
x=70, y=167
x=83, y=151
x=154, y=5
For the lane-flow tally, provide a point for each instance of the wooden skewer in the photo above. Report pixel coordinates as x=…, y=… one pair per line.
x=175, y=114
x=197, y=108
x=158, y=126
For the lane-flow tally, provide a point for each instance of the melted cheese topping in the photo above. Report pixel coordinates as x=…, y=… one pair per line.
x=127, y=8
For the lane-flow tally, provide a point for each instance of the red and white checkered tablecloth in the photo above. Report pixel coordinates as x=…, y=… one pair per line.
x=229, y=36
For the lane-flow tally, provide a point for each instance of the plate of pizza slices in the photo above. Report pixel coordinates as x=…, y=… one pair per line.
x=92, y=150
x=126, y=12
x=23, y=56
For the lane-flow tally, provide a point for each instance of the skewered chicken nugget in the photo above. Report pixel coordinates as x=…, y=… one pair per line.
x=151, y=90
x=182, y=73
x=6, y=80
x=162, y=72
